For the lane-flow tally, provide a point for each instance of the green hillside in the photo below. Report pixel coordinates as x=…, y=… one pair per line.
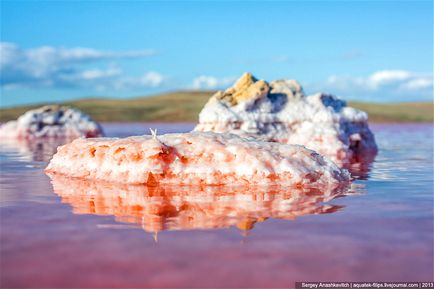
x=397, y=112
x=186, y=105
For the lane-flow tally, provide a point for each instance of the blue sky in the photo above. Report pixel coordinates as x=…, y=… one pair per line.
x=364, y=50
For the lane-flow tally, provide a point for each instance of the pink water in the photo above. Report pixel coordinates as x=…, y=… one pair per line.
x=383, y=231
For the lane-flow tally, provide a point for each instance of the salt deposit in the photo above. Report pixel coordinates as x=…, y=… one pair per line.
x=280, y=112
x=51, y=121
x=195, y=158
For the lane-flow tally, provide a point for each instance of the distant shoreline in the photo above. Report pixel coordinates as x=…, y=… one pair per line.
x=184, y=106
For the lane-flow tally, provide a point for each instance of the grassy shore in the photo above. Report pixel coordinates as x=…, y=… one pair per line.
x=186, y=105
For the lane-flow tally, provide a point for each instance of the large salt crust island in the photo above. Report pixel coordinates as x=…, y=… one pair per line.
x=51, y=121
x=196, y=158
x=280, y=112
x=165, y=207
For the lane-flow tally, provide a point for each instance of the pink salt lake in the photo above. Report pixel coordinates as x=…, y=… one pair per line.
x=382, y=231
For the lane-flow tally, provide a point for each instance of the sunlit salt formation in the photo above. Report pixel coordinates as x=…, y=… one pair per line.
x=279, y=111
x=195, y=158
x=191, y=207
x=52, y=121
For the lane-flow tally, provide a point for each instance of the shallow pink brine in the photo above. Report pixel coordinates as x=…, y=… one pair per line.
x=63, y=233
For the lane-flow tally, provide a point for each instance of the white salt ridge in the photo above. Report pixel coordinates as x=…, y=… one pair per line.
x=195, y=158
x=51, y=121
x=281, y=112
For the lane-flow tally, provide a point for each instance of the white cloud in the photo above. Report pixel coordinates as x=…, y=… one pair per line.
x=383, y=85
x=417, y=84
x=149, y=79
x=92, y=74
x=385, y=77
x=67, y=67
x=211, y=82
x=152, y=78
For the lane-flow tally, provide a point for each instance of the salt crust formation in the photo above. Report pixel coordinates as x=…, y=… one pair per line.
x=157, y=208
x=280, y=112
x=52, y=121
x=197, y=158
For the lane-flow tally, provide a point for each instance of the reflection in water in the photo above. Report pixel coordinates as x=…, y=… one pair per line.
x=39, y=150
x=360, y=166
x=185, y=207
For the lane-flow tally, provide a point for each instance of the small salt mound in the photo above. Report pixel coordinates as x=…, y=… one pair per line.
x=195, y=158
x=191, y=207
x=280, y=112
x=51, y=121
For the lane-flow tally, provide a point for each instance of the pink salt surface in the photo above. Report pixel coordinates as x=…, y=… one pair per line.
x=195, y=158
x=384, y=232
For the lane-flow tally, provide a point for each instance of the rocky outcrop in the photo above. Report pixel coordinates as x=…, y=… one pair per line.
x=246, y=90
x=280, y=112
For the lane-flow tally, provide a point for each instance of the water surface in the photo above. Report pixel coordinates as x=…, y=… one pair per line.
x=86, y=235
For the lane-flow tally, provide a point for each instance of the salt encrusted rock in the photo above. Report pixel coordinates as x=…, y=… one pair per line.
x=280, y=112
x=157, y=208
x=247, y=90
x=195, y=158
x=52, y=121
